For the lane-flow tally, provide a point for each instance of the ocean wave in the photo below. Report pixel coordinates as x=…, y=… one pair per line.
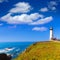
x=5, y=50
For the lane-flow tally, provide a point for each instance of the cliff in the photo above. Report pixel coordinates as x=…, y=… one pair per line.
x=49, y=50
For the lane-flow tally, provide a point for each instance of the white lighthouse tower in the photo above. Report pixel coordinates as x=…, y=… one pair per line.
x=51, y=33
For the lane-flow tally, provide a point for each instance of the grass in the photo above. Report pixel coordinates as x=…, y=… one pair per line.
x=41, y=51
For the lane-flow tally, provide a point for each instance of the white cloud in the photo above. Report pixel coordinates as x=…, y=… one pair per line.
x=31, y=19
x=53, y=8
x=3, y=1
x=39, y=28
x=45, y=9
x=21, y=7
x=52, y=5
x=43, y=21
x=21, y=19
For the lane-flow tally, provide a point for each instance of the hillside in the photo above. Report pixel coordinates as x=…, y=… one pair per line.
x=41, y=51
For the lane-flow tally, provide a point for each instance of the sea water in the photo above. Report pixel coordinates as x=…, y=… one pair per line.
x=14, y=48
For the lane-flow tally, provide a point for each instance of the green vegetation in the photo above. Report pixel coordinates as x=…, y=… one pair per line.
x=41, y=51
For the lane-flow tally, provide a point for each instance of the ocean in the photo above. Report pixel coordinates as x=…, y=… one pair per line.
x=14, y=48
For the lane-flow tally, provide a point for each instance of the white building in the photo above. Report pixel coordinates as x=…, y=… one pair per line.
x=51, y=33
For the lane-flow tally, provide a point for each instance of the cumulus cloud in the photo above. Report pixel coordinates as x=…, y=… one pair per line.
x=39, y=28
x=3, y=1
x=31, y=19
x=52, y=5
x=24, y=18
x=43, y=21
x=21, y=19
x=45, y=9
x=21, y=7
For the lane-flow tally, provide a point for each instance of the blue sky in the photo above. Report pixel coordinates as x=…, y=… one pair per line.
x=29, y=20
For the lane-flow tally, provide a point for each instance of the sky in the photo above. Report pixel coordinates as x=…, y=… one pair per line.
x=29, y=20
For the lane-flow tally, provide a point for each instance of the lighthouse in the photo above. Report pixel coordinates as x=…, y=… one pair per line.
x=51, y=33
